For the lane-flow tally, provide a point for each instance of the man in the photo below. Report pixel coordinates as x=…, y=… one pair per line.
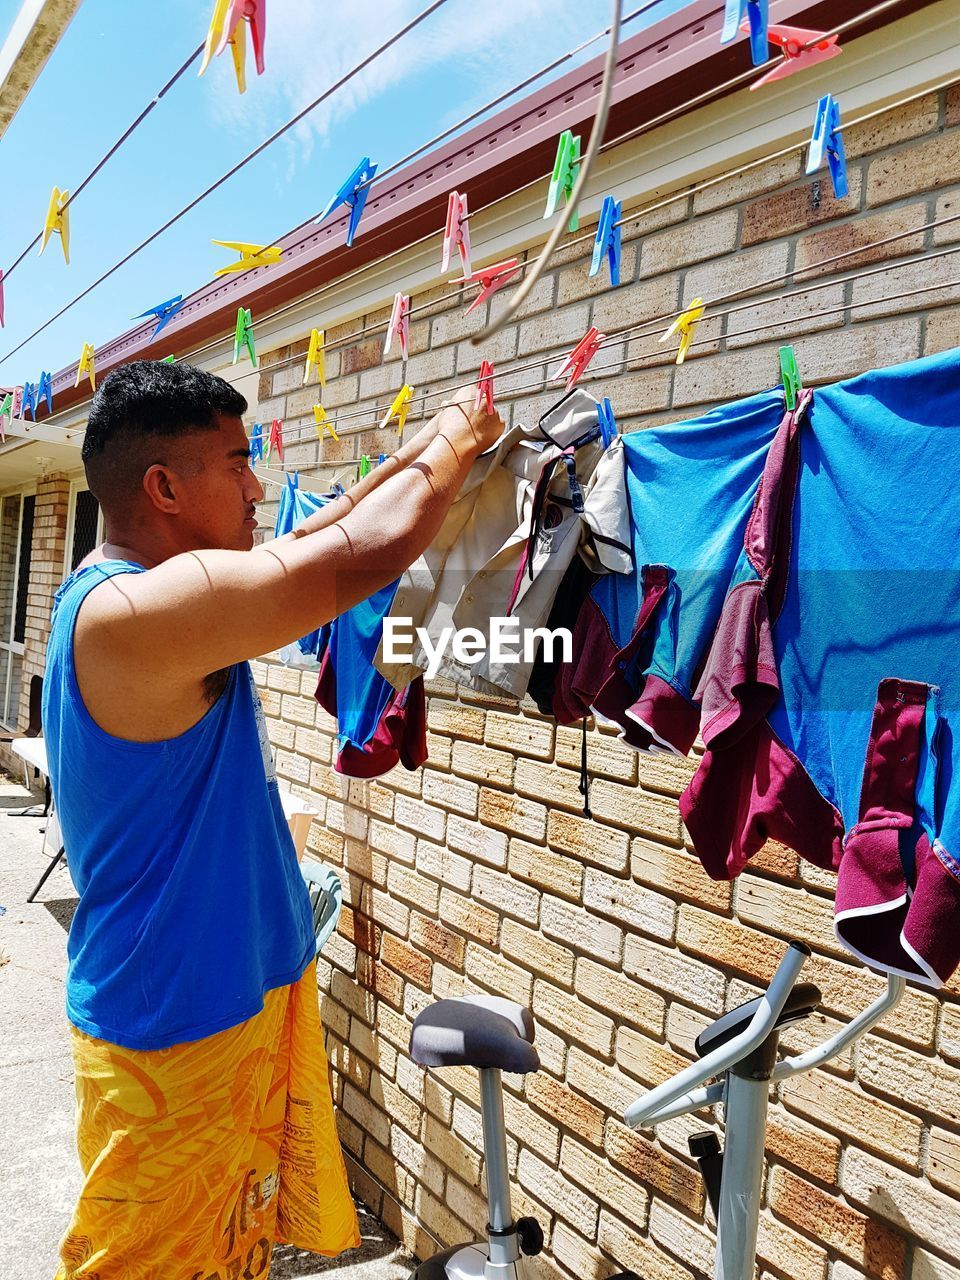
x=205, y=1122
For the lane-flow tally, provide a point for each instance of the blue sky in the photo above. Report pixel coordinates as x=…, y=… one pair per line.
x=115, y=55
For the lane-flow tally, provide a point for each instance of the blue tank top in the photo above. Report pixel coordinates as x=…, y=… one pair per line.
x=192, y=904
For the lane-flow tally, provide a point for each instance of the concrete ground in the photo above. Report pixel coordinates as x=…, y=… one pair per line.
x=39, y=1171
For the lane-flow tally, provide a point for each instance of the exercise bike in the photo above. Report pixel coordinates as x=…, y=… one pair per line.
x=738, y=1052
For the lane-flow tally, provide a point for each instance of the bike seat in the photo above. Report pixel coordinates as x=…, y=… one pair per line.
x=475, y=1031
x=801, y=1002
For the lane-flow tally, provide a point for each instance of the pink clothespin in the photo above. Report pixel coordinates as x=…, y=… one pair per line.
x=580, y=356
x=254, y=12
x=276, y=437
x=485, y=386
x=399, y=324
x=457, y=233
x=17, y=410
x=796, y=55
x=490, y=279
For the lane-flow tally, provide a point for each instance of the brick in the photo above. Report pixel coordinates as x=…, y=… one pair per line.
x=635, y=1005
x=681, y=1236
x=717, y=280
x=575, y=284
x=636, y=809
x=464, y=916
x=461, y=722
x=803, y=1146
x=663, y=1174
x=571, y=1018
x=790, y=912
x=907, y=1203
x=767, y=175
x=437, y=940
x=553, y=330
x=845, y=1108
x=899, y=124
x=360, y=930
x=565, y=1107
x=406, y=960
x=477, y=842
x=380, y=981
x=532, y=950
x=927, y=1267
x=475, y=761
x=650, y=1062
x=506, y=895
x=436, y=861
x=589, y=840
x=520, y=735
x=789, y=1253
x=513, y=814
x=909, y=1079
x=631, y=904
x=806, y=312
x=572, y=1251
x=413, y=888
x=628, y=1248
x=825, y=1218
x=556, y=787
x=607, y=756
x=930, y=277
x=715, y=234
x=568, y=1202
x=784, y=212
x=611, y=1188
x=451, y=1152
x=497, y=974
x=925, y=166
x=424, y=819
x=943, y=1161
x=369, y=1116
x=454, y=794
x=679, y=873
x=570, y=924
x=950, y=1032
x=551, y=872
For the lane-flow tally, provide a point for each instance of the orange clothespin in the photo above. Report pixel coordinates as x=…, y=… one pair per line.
x=87, y=366
x=686, y=325
x=316, y=358
x=323, y=422
x=457, y=232
x=57, y=222
x=251, y=255
x=581, y=355
x=399, y=409
x=485, y=386
x=399, y=324
x=490, y=279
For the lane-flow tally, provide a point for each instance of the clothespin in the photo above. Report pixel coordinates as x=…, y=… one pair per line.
x=581, y=355
x=686, y=325
x=790, y=377
x=316, y=358
x=251, y=255
x=354, y=194
x=490, y=279
x=457, y=232
x=87, y=366
x=338, y=488
x=485, y=386
x=606, y=422
x=365, y=467
x=6, y=411
x=225, y=29
x=323, y=422
x=17, y=407
x=57, y=222
x=163, y=312
x=28, y=400
x=169, y=360
x=757, y=22
x=1, y=299
x=827, y=138
x=607, y=242
x=382, y=458
x=256, y=444
x=244, y=336
x=399, y=324
x=801, y=49
x=276, y=438
x=565, y=168
x=399, y=409
x=45, y=391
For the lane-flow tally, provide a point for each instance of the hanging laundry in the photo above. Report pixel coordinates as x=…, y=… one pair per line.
x=831, y=699
x=57, y=222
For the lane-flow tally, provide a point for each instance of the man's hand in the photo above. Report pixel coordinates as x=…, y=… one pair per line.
x=481, y=429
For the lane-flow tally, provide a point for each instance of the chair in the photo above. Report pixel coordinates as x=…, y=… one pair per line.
x=34, y=728
x=326, y=897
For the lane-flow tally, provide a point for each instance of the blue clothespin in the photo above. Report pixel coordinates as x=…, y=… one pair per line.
x=382, y=458
x=354, y=193
x=607, y=242
x=607, y=423
x=338, y=488
x=757, y=23
x=45, y=391
x=256, y=444
x=163, y=312
x=29, y=400
x=826, y=138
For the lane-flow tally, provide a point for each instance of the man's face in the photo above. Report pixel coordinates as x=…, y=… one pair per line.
x=219, y=489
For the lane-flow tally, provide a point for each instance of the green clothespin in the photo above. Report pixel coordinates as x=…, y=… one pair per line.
x=790, y=377
x=171, y=360
x=366, y=466
x=244, y=336
x=565, y=169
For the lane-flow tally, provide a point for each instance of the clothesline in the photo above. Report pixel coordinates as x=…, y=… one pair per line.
x=682, y=108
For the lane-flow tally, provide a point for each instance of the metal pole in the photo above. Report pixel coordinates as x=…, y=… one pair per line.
x=745, y=1115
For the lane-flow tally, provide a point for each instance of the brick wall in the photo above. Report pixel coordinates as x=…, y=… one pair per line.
x=479, y=872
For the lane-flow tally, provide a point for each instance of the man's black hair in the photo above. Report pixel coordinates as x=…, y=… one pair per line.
x=137, y=406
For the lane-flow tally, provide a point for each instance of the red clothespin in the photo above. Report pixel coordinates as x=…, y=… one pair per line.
x=490, y=279
x=276, y=437
x=485, y=386
x=399, y=324
x=581, y=355
x=457, y=232
x=794, y=42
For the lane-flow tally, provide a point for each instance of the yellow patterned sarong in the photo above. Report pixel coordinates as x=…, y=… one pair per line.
x=198, y=1157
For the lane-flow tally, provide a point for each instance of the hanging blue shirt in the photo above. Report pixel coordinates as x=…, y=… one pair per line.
x=192, y=903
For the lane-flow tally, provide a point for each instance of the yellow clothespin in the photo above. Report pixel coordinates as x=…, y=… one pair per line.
x=323, y=422
x=58, y=220
x=686, y=325
x=316, y=358
x=237, y=41
x=399, y=408
x=251, y=255
x=87, y=366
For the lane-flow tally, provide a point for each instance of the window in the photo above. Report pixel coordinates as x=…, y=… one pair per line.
x=16, y=541
x=86, y=525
